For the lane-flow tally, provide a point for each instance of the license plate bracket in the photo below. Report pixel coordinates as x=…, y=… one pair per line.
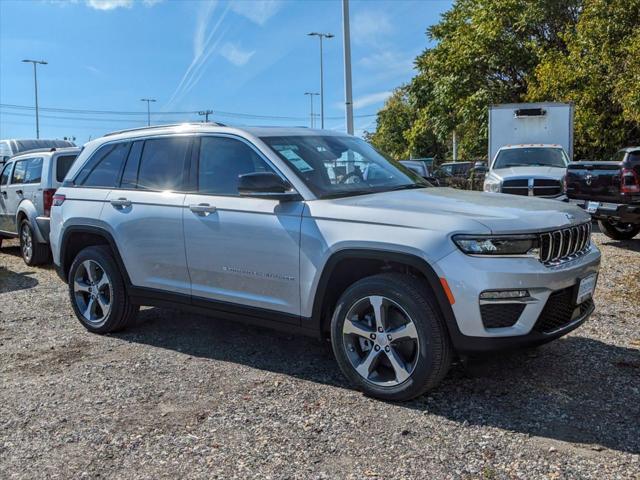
x=586, y=288
x=592, y=207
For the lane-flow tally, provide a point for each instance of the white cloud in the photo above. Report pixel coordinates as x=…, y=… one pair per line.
x=367, y=27
x=370, y=99
x=258, y=11
x=106, y=5
x=235, y=54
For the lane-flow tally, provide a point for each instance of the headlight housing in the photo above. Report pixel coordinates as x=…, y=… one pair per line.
x=514, y=245
x=492, y=184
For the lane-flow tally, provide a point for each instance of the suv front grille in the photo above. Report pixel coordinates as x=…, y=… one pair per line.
x=538, y=187
x=499, y=315
x=565, y=244
x=560, y=311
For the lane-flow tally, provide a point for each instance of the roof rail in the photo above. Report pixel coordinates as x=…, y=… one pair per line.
x=41, y=150
x=155, y=127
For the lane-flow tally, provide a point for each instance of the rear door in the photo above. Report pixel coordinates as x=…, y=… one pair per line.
x=242, y=250
x=23, y=186
x=145, y=214
x=5, y=175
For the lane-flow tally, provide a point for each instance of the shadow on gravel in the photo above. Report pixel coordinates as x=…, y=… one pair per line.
x=631, y=245
x=12, y=281
x=576, y=389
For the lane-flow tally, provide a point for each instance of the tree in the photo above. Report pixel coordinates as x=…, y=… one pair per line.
x=600, y=73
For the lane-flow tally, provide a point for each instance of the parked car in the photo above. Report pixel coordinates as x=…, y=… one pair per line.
x=248, y=224
x=9, y=148
x=477, y=175
x=609, y=191
x=28, y=182
x=419, y=167
x=532, y=170
x=453, y=174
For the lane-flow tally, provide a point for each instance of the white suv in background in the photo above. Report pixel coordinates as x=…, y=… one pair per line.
x=27, y=184
x=283, y=227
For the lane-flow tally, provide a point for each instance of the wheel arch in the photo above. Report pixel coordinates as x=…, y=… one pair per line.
x=324, y=298
x=77, y=237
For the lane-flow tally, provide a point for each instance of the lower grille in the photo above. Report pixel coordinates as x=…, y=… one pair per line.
x=560, y=311
x=499, y=315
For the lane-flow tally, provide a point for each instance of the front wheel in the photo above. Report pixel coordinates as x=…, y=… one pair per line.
x=389, y=338
x=619, y=230
x=97, y=291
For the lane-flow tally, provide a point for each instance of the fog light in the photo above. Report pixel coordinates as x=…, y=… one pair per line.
x=503, y=294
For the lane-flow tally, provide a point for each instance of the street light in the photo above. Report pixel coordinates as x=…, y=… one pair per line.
x=35, y=81
x=311, y=94
x=348, y=94
x=148, y=100
x=321, y=36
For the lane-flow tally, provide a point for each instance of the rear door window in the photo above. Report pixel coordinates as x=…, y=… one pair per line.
x=104, y=167
x=63, y=164
x=162, y=164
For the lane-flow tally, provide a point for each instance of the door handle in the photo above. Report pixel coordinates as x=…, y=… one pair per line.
x=18, y=192
x=120, y=202
x=4, y=194
x=202, y=209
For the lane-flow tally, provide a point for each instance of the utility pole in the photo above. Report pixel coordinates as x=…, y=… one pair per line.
x=148, y=100
x=321, y=36
x=35, y=81
x=455, y=147
x=348, y=94
x=205, y=114
x=311, y=94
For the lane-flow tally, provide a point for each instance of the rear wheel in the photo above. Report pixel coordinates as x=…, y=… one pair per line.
x=389, y=337
x=33, y=253
x=618, y=230
x=97, y=291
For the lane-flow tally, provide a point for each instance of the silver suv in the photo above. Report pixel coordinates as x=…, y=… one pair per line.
x=315, y=232
x=28, y=182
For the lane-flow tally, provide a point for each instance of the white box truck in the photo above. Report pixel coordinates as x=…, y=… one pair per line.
x=530, y=146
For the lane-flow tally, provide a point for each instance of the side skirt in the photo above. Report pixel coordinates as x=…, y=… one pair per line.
x=259, y=317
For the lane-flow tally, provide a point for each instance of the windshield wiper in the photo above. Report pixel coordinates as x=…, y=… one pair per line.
x=409, y=186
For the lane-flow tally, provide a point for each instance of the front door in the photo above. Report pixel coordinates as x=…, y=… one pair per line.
x=240, y=250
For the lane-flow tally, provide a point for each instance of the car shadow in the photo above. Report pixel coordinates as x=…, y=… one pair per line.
x=13, y=281
x=576, y=389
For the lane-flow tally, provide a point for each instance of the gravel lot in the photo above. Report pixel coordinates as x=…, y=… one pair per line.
x=193, y=397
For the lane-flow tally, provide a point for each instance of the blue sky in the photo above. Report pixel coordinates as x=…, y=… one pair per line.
x=243, y=56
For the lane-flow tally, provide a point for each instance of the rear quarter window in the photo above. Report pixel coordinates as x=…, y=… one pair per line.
x=104, y=167
x=63, y=164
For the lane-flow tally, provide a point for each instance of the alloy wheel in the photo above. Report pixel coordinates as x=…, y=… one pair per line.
x=26, y=241
x=93, y=292
x=381, y=341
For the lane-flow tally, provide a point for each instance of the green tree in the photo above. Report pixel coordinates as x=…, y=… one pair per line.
x=600, y=73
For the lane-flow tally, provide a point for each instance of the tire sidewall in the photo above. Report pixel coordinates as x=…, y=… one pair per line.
x=611, y=231
x=23, y=224
x=104, y=258
x=423, y=320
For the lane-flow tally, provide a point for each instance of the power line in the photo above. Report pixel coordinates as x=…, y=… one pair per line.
x=219, y=113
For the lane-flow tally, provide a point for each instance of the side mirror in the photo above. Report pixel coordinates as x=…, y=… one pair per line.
x=265, y=185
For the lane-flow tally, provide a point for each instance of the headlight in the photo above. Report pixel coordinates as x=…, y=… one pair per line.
x=492, y=185
x=505, y=245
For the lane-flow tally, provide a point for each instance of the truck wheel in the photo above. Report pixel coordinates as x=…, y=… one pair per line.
x=617, y=230
x=389, y=337
x=97, y=291
x=33, y=253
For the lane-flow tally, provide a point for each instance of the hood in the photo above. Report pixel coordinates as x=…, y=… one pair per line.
x=554, y=173
x=452, y=211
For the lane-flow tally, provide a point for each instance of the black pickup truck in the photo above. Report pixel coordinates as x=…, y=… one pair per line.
x=609, y=191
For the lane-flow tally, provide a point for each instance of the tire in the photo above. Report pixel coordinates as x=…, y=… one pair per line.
x=425, y=351
x=97, y=291
x=619, y=231
x=33, y=253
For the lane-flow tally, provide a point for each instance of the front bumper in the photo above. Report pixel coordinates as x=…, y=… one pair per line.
x=469, y=276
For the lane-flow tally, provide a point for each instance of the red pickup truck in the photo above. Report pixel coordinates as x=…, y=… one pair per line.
x=609, y=191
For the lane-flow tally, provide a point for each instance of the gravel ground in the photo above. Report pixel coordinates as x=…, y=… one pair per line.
x=193, y=397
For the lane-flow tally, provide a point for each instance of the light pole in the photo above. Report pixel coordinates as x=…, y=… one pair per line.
x=148, y=100
x=205, y=114
x=348, y=94
x=321, y=36
x=35, y=81
x=311, y=94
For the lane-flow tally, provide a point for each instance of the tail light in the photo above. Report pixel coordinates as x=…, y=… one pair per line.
x=47, y=200
x=56, y=200
x=629, y=182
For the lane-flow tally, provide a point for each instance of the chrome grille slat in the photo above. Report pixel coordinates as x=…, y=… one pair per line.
x=564, y=244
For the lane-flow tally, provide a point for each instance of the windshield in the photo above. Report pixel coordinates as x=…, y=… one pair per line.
x=333, y=166
x=531, y=157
